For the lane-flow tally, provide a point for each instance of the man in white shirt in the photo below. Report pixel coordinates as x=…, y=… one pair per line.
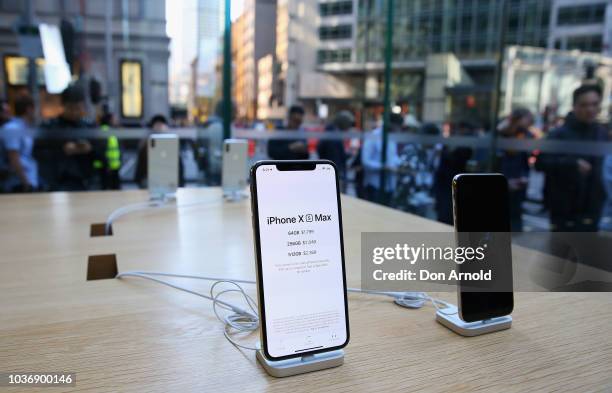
x=372, y=164
x=17, y=140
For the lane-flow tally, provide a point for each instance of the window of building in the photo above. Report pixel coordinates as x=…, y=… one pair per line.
x=467, y=28
x=589, y=43
x=11, y=5
x=582, y=14
x=130, y=10
x=336, y=8
x=131, y=89
x=334, y=55
x=16, y=70
x=335, y=32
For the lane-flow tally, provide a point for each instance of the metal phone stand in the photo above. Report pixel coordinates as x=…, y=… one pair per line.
x=449, y=317
x=301, y=365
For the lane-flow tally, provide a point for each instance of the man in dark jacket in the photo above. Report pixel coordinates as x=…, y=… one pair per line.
x=290, y=149
x=67, y=164
x=333, y=150
x=575, y=180
x=453, y=161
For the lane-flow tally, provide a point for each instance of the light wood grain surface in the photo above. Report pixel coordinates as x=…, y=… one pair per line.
x=137, y=336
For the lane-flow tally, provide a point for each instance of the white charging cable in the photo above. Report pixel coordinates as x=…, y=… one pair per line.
x=129, y=209
x=153, y=203
x=238, y=319
x=408, y=299
x=244, y=321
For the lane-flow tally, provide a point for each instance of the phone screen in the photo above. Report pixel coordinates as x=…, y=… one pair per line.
x=298, y=236
x=482, y=218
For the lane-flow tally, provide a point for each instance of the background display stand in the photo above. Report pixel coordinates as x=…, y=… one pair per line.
x=471, y=329
x=234, y=196
x=162, y=198
x=305, y=364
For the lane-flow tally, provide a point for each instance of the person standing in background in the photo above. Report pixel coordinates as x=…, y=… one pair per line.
x=333, y=150
x=67, y=164
x=515, y=164
x=605, y=223
x=574, y=181
x=5, y=116
x=5, y=113
x=108, y=169
x=290, y=149
x=18, y=141
x=372, y=165
x=453, y=161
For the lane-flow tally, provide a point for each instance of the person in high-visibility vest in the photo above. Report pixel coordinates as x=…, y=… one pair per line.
x=109, y=168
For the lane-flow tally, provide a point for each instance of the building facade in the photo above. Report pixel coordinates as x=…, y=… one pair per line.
x=183, y=48
x=330, y=53
x=296, y=48
x=110, y=38
x=542, y=80
x=204, y=78
x=242, y=85
x=253, y=37
x=584, y=25
x=266, y=78
x=353, y=43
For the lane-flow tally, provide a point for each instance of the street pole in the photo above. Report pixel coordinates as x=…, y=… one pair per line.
x=227, y=73
x=32, y=69
x=387, y=100
x=496, y=96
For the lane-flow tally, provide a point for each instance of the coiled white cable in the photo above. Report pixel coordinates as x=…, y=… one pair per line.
x=405, y=299
x=239, y=319
x=243, y=321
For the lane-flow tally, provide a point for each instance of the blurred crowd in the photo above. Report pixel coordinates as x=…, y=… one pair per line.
x=35, y=158
x=415, y=176
x=59, y=154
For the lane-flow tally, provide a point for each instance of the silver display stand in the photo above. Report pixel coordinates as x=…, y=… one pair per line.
x=301, y=365
x=449, y=317
x=234, y=196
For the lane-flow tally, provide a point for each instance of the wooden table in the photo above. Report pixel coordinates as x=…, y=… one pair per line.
x=135, y=335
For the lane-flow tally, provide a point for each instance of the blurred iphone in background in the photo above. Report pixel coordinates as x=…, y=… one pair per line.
x=234, y=174
x=163, y=165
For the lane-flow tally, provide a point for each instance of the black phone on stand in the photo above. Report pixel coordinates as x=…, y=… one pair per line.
x=482, y=219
